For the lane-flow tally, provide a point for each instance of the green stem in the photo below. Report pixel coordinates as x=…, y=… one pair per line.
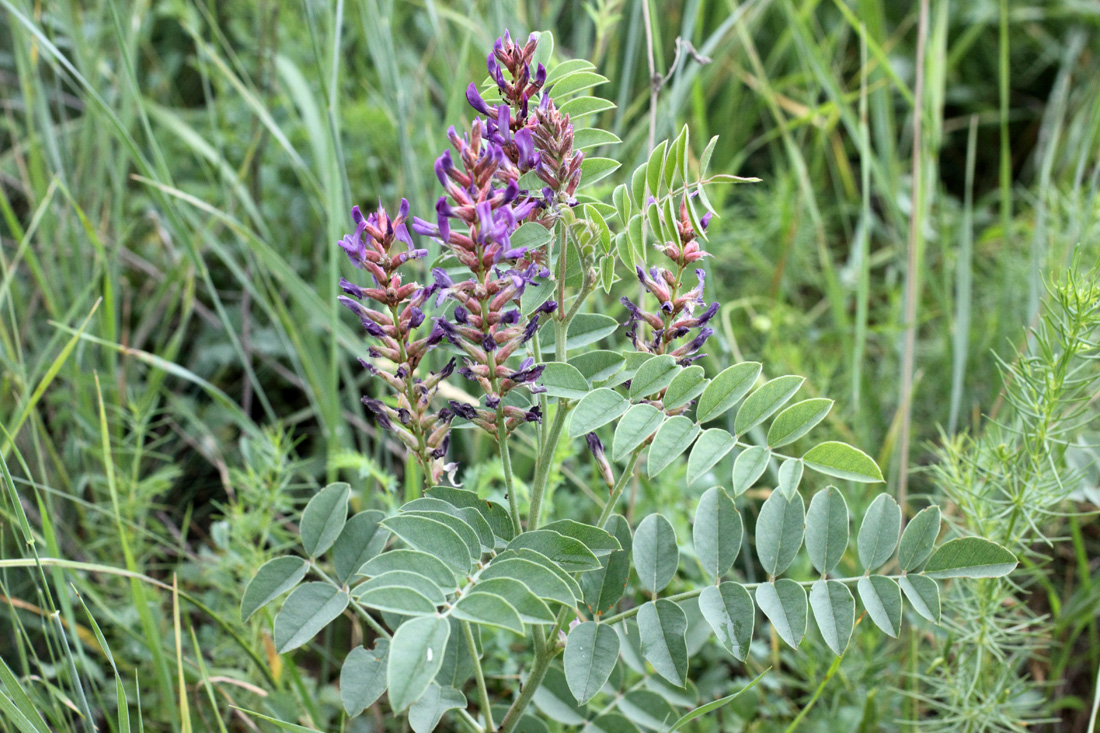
x=617, y=489
x=817, y=693
x=531, y=685
x=506, y=461
x=378, y=628
x=482, y=691
x=542, y=466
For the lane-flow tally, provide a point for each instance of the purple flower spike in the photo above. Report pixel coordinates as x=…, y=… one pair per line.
x=476, y=101
x=371, y=327
x=492, y=401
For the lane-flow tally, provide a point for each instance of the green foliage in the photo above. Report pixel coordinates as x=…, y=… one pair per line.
x=178, y=379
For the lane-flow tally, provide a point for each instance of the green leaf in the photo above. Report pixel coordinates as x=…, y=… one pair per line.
x=597, y=222
x=881, y=597
x=797, y=420
x=554, y=699
x=405, y=580
x=662, y=626
x=433, y=537
x=704, y=159
x=790, y=475
x=725, y=390
x=594, y=538
x=729, y=610
x=779, y=531
x=274, y=578
x=495, y=514
x=416, y=654
x=459, y=526
x=485, y=535
x=919, y=538
x=537, y=294
x=609, y=723
x=280, y=724
x=570, y=554
x=923, y=594
x=531, y=235
x=685, y=386
x=565, y=68
x=655, y=553
x=563, y=380
x=640, y=422
x=591, y=651
x=584, y=106
x=596, y=169
x=653, y=376
x=647, y=710
x=592, y=137
x=835, y=612
x=970, y=557
x=717, y=532
x=361, y=539
x=634, y=362
x=655, y=169
x=586, y=328
x=715, y=704
x=749, y=467
x=541, y=580
x=395, y=599
x=764, y=402
x=575, y=82
x=597, y=409
x=414, y=561
x=784, y=603
x=712, y=446
x=843, y=461
x=878, y=535
x=324, y=518
x=603, y=588
x=542, y=560
x=310, y=608
x=827, y=529
x=673, y=438
x=488, y=610
x=428, y=710
x=637, y=185
x=531, y=609
x=363, y=677
x=598, y=366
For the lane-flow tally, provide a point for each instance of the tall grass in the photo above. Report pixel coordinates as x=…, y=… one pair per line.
x=177, y=374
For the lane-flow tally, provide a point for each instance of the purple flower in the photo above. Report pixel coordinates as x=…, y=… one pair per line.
x=371, y=327
x=461, y=315
x=525, y=145
x=463, y=410
x=489, y=343
x=510, y=317
x=416, y=317
x=352, y=289
x=378, y=410
x=476, y=101
x=594, y=445
x=530, y=328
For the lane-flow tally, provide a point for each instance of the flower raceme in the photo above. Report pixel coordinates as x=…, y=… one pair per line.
x=480, y=210
x=675, y=317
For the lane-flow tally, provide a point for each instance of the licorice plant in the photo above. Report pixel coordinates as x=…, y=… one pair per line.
x=504, y=316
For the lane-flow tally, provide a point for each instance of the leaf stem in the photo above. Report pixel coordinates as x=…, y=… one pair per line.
x=482, y=690
x=543, y=657
x=545, y=460
x=617, y=489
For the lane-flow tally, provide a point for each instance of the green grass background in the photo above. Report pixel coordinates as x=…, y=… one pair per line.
x=176, y=376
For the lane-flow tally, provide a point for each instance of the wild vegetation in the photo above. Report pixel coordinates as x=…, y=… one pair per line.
x=180, y=379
